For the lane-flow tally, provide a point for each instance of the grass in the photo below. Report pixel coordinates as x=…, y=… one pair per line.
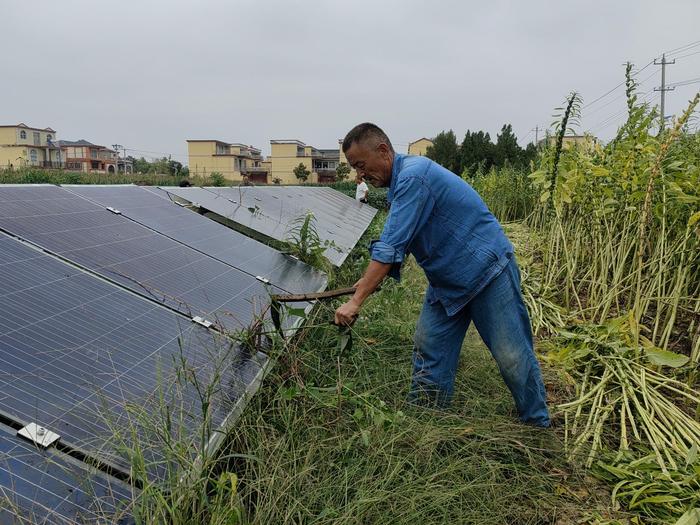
x=330, y=438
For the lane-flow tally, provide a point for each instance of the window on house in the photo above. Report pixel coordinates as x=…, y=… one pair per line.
x=23, y=134
x=33, y=155
x=37, y=138
x=49, y=137
x=93, y=153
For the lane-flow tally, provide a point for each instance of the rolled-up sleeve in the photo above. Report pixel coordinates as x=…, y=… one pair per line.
x=410, y=208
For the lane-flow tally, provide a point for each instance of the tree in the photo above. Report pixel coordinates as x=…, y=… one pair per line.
x=507, y=149
x=445, y=151
x=142, y=165
x=529, y=154
x=342, y=171
x=174, y=167
x=476, y=153
x=301, y=172
x=160, y=166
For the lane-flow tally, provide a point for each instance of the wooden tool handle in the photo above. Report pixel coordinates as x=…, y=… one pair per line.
x=302, y=297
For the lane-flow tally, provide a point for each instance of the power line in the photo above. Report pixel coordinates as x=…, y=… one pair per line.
x=688, y=55
x=612, y=118
x=616, y=87
x=670, y=52
x=683, y=48
x=685, y=82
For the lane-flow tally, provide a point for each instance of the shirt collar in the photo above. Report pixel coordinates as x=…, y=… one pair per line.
x=395, y=169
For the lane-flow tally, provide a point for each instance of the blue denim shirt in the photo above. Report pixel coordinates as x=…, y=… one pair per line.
x=442, y=221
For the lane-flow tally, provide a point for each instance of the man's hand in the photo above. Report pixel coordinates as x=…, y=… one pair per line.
x=375, y=273
x=346, y=314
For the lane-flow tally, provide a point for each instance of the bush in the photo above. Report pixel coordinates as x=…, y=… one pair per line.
x=375, y=198
x=217, y=179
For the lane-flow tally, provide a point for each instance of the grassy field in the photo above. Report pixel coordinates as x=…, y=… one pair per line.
x=330, y=438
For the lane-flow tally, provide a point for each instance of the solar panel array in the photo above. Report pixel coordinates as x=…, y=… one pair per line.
x=153, y=208
x=100, y=287
x=273, y=211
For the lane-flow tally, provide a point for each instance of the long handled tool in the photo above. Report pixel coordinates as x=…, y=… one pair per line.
x=277, y=300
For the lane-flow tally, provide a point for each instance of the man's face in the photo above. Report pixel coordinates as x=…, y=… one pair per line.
x=372, y=163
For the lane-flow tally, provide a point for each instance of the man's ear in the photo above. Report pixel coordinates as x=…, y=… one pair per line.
x=384, y=149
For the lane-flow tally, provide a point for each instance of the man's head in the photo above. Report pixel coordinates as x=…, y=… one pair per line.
x=370, y=152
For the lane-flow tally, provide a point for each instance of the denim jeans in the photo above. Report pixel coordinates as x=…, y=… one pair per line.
x=500, y=316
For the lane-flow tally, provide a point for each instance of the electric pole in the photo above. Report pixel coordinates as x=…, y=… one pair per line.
x=536, y=130
x=663, y=87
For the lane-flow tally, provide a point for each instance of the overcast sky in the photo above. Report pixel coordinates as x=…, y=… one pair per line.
x=151, y=74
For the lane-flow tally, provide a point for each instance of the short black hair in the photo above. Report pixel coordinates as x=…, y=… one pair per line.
x=363, y=132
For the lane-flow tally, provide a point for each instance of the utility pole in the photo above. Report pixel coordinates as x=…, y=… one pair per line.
x=663, y=87
x=116, y=148
x=536, y=130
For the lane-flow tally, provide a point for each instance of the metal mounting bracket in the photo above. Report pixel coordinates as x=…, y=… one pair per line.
x=39, y=435
x=114, y=210
x=201, y=320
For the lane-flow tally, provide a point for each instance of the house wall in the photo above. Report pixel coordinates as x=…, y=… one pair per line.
x=14, y=150
x=203, y=161
x=284, y=159
x=419, y=147
x=9, y=155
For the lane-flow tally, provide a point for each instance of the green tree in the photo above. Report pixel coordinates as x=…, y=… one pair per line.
x=142, y=165
x=301, y=172
x=476, y=152
x=529, y=154
x=160, y=166
x=174, y=167
x=445, y=151
x=342, y=171
x=507, y=149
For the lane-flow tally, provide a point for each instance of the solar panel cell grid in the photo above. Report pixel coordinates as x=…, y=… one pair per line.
x=134, y=256
x=272, y=211
x=45, y=486
x=153, y=208
x=78, y=352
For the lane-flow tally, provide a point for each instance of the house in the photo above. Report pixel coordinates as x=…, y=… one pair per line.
x=419, y=147
x=125, y=165
x=235, y=161
x=81, y=155
x=287, y=154
x=586, y=141
x=22, y=145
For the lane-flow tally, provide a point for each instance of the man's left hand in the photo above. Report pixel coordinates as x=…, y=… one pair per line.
x=346, y=314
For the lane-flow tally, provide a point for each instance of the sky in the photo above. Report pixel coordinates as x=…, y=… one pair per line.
x=151, y=74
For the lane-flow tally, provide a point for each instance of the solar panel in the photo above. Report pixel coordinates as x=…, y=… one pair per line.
x=161, y=214
x=273, y=210
x=46, y=486
x=90, y=361
x=139, y=258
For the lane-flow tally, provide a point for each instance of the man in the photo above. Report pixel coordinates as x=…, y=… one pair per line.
x=362, y=191
x=470, y=266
